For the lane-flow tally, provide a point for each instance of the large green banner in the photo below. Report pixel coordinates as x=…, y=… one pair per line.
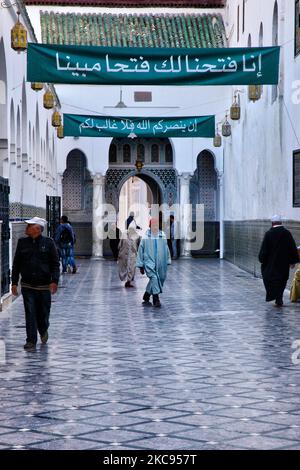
x=152, y=66
x=78, y=125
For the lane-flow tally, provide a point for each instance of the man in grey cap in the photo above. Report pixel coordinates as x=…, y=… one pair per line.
x=36, y=260
x=277, y=254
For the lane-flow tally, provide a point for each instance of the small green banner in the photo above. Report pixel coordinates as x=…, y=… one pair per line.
x=78, y=125
x=152, y=66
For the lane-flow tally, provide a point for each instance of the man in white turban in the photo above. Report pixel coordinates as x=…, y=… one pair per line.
x=277, y=254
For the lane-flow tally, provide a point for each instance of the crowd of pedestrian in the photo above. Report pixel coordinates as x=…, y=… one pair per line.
x=37, y=262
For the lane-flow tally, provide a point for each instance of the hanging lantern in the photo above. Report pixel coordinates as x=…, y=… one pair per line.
x=37, y=86
x=226, y=128
x=217, y=139
x=254, y=92
x=60, y=132
x=56, y=119
x=139, y=165
x=18, y=36
x=48, y=99
x=235, y=110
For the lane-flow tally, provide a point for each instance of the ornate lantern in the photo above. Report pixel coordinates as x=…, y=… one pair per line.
x=60, y=132
x=56, y=119
x=235, y=110
x=48, y=99
x=18, y=36
x=37, y=86
x=254, y=92
x=226, y=128
x=217, y=139
x=139, y=165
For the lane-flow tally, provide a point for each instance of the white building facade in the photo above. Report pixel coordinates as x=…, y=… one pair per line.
x=254, y=174
x=175, y=170
x=261, y=169
x=28, y=142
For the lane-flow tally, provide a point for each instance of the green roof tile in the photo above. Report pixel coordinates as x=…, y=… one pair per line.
x=132, y=30
x=166, y=37
x=173, y=31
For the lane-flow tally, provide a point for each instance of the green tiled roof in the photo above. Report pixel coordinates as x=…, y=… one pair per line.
x=132, y=30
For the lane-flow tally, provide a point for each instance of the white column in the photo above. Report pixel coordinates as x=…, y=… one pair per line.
x=98, y=203
x=3, y=156
x=221, y=202
x=59, y=189
x=185, y=213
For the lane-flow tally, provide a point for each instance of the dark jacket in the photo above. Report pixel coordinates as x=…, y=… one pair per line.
x=36, y=260
x=278, y=251
x=129, y=220
x=60, y=229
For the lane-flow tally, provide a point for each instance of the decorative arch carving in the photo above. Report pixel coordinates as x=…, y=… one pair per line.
x=165, y=178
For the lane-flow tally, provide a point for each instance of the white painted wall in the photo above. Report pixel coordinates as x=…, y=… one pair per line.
x=166, y=101
x=133, y=197
x=29, y=183
x=258, y=157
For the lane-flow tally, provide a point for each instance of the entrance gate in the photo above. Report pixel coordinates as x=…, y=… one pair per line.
x=5, y=235
x=166, y=179
x=53, y=211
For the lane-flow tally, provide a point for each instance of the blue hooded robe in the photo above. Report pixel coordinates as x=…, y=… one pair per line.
x=154, y=256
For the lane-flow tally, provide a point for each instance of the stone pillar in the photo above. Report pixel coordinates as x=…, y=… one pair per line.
x=98, y=203
x=185, y=213
x=221, y=203
x=3, y=156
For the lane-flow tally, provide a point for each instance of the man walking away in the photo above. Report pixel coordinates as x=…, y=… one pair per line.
x=65, y=240
x=36, y=260
x=153, y=259
x=172, y=237
x=114, y=235
x=277, y=254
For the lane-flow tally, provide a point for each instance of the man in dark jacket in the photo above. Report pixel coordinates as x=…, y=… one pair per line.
x=36, y=260
x=277, y=254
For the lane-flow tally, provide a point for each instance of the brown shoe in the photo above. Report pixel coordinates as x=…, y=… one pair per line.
x=128, y=284
x=28, y=345
x=44, y=338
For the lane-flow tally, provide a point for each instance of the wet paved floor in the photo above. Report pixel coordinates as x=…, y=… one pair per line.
x=212, y=369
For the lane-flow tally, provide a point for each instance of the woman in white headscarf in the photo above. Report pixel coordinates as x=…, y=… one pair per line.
x=128, y=248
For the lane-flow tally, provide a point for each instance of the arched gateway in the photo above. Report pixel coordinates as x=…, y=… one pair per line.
x=157, y=173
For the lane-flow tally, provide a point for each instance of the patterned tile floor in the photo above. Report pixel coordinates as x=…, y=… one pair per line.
x=212, y=369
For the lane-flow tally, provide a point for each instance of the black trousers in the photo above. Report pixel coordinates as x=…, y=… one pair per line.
x=37, y=304
x=114, y=247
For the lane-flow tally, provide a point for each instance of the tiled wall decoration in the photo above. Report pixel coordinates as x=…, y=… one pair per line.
x=243, y=240
x=18, y=211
